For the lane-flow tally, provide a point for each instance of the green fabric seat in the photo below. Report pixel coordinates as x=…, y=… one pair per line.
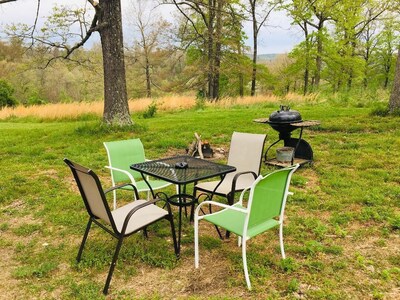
x=122, y=154
x=265, y=210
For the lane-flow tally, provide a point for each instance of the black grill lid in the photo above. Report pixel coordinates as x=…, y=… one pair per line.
x=285, y=116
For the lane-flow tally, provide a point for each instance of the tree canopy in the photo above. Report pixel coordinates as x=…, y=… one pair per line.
x=347, y=45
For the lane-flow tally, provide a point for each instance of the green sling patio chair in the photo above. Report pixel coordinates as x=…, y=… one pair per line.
x=121, y=222
x=122, y=154
x=264, y=210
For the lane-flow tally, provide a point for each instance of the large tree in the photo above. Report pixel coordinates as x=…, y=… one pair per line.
x=152, y=33
x=322, y=11
x=204, y=26
x=394, y=101
x=300, y=13
x=259, y=12
x=352, y=21
x=107, y=21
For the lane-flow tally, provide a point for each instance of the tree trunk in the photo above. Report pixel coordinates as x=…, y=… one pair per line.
x=210, y=48
x=367, y=55
x=387, y=67
x=241, y=77
x=148, y=79
x=116, y=109
x=318, y=59
x=306, y=75
x=386, y=82
x=307, y=58
x=394, y=101
x=217, y=61
x=312, y=83
x=255, y=33
x=353, y=46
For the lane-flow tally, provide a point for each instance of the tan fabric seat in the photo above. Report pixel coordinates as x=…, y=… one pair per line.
x=226, y=185
x=245, y=153
x=143, y=217
x=120, y=222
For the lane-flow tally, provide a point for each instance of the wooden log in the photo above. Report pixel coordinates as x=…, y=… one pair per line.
x=199, y=145
x=192, y=148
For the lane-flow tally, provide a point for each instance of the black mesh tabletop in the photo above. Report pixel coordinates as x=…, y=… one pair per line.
x=182, y=169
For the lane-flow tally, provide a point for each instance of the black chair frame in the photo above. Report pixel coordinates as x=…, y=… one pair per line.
x=114, y=232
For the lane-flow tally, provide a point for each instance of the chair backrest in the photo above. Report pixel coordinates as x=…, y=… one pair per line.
x=268, y=196
x=245, y=151
x=122, y=154
x=92, y=193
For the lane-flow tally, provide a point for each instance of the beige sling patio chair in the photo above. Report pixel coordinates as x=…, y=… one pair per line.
x=265, y=209
x=122, y=154
x=245, y=153
x=120, y=222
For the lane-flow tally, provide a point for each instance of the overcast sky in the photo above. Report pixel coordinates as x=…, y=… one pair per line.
x=277, y=37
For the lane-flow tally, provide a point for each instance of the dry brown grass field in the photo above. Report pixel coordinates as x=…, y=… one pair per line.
x=167, y=103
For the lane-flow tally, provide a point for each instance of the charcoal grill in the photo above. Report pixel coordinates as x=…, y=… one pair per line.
x=285, y=121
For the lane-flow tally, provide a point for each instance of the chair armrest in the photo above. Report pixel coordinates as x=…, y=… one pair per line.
x=242, y=210
x=242, y=195
x=237, y=175
x=122, y=185
x=122, y=171
x=130, y=214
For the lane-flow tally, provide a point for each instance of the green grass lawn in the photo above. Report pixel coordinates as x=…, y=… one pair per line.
x=341, y=231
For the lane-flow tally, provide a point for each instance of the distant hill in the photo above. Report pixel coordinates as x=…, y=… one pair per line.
x=264, y=57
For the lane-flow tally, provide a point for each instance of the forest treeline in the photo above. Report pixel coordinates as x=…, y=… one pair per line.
x=348, y=46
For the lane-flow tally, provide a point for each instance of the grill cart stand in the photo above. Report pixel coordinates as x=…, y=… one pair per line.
x=302, y=150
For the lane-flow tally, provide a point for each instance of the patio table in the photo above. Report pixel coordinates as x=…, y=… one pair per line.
x=181, y=170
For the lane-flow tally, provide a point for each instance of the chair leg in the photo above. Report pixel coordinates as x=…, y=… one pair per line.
x=246, y=272
x=192, y=207
x=115, y=199
x=112, y=267
x=171, y=221
x=85, y=235
x=231, y=198
x=281, y=240
x=196, y=241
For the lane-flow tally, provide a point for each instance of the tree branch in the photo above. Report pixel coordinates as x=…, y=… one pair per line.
x=5, y=1
x=187, y=17
x=36, y=19
x=93, y=27
x=266, y=16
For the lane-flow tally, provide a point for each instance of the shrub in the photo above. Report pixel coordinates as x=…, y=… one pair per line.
x=380, y=111
x=151, y=111
x=6, y=94
x=35, y=100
